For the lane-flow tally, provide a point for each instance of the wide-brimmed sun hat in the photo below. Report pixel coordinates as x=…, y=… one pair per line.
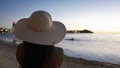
x=40, y=29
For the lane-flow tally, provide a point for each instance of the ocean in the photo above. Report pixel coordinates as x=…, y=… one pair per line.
x=98, y=47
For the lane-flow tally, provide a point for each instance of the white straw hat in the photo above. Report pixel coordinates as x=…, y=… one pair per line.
x=40, y=29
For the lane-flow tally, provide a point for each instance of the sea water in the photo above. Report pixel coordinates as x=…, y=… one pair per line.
x=8, y=37
x=99, y=47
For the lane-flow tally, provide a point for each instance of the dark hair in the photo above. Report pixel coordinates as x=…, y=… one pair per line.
x=35, y=55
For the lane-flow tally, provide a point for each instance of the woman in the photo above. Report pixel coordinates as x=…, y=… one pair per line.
x=39, y=34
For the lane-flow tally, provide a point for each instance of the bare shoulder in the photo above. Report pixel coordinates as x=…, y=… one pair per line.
x=20, y=45
x=60, y=52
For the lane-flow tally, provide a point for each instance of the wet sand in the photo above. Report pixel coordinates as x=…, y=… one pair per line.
x=8, y=60
x=70, y=62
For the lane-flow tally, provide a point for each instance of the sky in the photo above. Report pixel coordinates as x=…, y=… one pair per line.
x=94, y=15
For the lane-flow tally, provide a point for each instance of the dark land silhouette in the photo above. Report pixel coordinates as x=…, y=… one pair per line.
x=79, y=31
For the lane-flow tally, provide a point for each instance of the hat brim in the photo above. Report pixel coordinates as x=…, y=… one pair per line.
x=51, y=37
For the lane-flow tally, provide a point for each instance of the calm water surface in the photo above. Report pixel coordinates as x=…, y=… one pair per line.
x=100, y=47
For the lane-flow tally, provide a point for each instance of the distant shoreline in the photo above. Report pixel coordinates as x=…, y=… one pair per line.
x=79, y=31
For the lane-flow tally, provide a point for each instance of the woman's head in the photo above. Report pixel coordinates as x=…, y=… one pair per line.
x=40, y=29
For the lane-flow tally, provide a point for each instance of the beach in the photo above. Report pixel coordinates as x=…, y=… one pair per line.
x=8, y=60
x=71, y=62
x=7, y=56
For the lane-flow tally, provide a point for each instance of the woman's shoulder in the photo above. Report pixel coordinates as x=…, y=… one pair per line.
x=60, y=52
x=59, y=49
x=20, y=46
